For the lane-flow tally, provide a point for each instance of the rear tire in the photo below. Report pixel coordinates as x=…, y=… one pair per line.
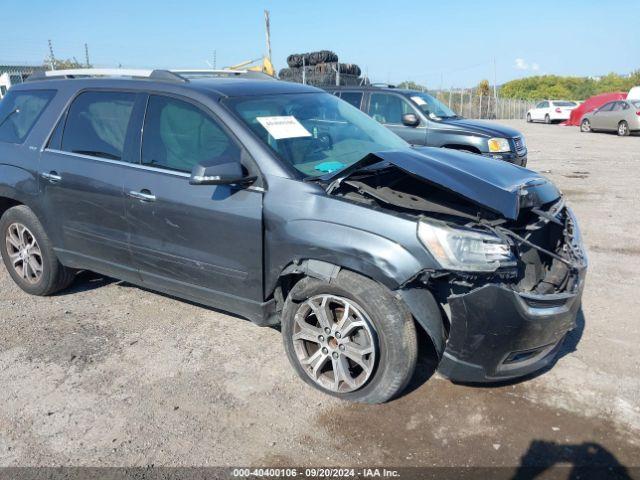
x=585, y=126
x=547, y=119
x=623, y=129
x=28, y=254
x=375, y=377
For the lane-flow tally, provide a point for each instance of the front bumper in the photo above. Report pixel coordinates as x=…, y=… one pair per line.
x=498, y=334
x=511, y=157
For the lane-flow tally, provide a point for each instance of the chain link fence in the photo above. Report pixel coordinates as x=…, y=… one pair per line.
x=470, y=104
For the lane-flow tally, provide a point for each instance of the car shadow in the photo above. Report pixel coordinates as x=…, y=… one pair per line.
x=86, y=281
x=587, y=460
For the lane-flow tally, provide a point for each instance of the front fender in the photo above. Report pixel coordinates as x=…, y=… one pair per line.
x=363, y=252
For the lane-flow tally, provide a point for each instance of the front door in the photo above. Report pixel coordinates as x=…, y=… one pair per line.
x=196, y=241
x=82, y=171
x=600, y=117
x=388, y=108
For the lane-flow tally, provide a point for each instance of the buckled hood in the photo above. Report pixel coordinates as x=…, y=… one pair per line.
x=498, y=186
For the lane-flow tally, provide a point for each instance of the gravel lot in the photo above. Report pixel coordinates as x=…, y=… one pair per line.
x=109, y=374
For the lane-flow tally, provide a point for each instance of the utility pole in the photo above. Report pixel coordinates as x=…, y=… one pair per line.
x=267, y=25
x=215, y=55
x=86, y=55
x=495, y=86
x=52, y=58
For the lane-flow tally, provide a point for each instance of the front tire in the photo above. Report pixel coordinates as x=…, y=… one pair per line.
x=623, y=129
x=28, y=254
x=528, y=118
x=585, y=126
x=350, y=338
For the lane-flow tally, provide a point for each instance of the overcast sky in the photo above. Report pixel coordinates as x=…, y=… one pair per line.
x=430, y=42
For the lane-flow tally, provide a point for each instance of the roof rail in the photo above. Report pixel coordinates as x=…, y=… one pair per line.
x=227, y=72
x=165, y=75
x=383, y=85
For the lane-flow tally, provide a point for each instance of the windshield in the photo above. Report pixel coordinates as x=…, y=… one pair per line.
x=432, y=106
x=316, y=133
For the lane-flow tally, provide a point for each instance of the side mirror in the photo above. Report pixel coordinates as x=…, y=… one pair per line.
x=230, y=173
x=410, y=120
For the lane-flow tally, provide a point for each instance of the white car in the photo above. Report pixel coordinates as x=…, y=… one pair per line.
x=549, y=111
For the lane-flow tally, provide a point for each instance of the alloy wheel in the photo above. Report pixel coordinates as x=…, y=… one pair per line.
x=24, y=253
x=334, y=342
x=586, y=126
x=623, y=129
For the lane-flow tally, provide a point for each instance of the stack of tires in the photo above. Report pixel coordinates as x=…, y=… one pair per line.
x=321, y=69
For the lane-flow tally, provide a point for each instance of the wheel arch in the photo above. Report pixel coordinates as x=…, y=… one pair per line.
x=421, y=303
x=457, y=146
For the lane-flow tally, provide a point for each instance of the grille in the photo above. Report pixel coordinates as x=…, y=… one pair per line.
x=519, y=144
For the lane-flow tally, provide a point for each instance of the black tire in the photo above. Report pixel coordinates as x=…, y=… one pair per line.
x=585, y=126
x=54, y=276
x=547, y=119
x=529, y=118
x=623, y=129
x=395, y=333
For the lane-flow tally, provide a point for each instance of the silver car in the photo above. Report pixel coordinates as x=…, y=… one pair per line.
x=622, y=116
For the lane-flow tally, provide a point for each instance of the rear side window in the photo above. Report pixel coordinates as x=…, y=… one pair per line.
x=97, y=124
x=178, y=136
x=354, y=98
x=19, y=112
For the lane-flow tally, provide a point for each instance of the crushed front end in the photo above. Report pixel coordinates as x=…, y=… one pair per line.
x=512, y=321
x=510, y=264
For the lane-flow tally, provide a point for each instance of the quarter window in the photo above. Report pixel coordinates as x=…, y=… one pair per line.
x=97, y=124
x=354, y=98
x=178, y=136
x=19, y=112
x=388, y=109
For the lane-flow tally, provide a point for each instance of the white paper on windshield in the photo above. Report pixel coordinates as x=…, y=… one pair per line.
x=283, y=127
x=419, y=101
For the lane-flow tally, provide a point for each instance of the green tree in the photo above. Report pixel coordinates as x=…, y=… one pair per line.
x=64, y=64
x=411, y=85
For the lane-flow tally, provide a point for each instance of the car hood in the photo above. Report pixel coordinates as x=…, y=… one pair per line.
x=478, y=127
x=499, y=186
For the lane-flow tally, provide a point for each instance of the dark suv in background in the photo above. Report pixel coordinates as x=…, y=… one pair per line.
x=422, y=119
x=281, y=203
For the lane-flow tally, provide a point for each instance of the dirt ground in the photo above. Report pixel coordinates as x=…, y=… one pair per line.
x=109, y=374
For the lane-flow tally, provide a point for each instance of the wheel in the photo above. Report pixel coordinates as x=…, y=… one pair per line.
x=623, y=129
x=528, y=118
x=349, y=338
x=585, y=125
x=547, y=119
x=28, y=254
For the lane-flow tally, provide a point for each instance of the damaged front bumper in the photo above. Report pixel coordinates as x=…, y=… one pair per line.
x=498, y=333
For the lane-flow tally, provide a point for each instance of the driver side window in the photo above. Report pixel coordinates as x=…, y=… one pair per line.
x=178, y=136
x=388, y=109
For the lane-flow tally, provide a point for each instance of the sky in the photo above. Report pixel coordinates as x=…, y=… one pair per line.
x=435, y=43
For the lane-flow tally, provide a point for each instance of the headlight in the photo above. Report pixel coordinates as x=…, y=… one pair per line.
x=464, y=249
x=499, y=145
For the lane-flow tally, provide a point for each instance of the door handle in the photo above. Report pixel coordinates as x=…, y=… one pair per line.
x=144, y=196
x=52, y=177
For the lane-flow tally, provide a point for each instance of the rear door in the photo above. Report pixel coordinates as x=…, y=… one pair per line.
x=196, y=241
x=352, y=97
x=82, y=171
x=540, y=111
x=388, y=108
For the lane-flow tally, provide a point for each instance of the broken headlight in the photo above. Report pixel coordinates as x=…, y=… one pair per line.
x=464, y=249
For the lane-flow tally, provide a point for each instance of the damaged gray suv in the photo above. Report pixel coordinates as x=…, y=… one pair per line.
x=286, y=205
